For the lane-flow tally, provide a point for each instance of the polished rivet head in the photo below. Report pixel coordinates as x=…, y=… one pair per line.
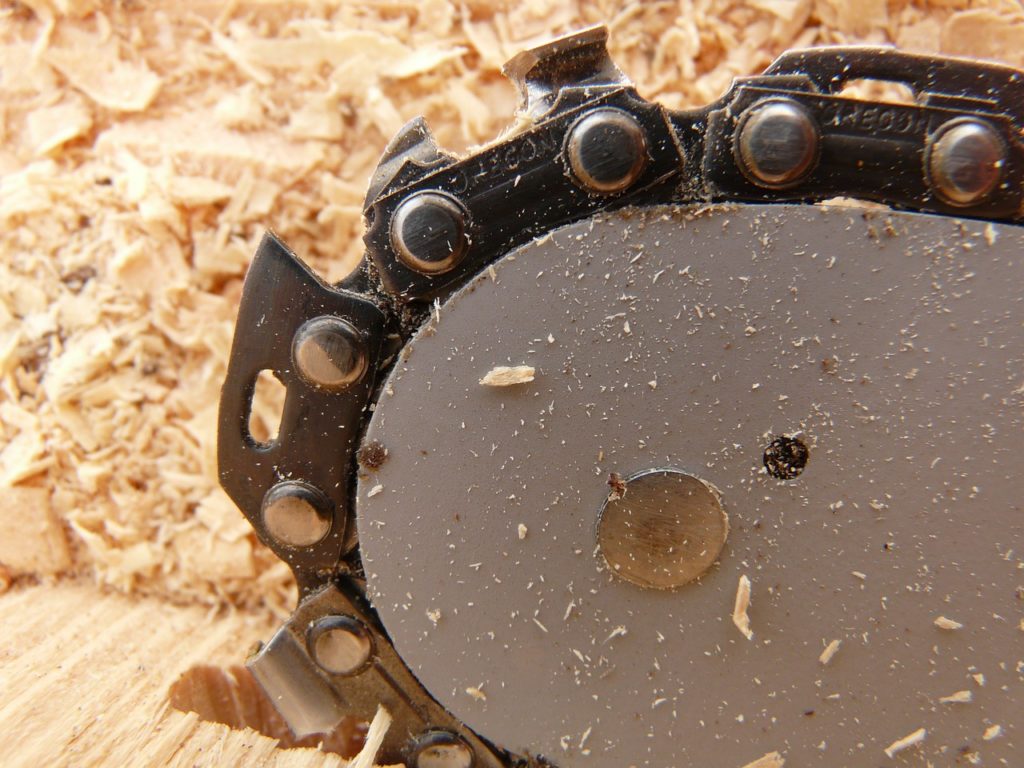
x=340, y=645
x=607, y=150
x=778, y=143
x=329, y=353
x=661, y=528
x=429, y=232
x=965, y=162
x=441, y=749
x=296, y=514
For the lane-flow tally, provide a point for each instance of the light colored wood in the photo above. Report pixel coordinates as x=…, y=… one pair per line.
x=84, y=678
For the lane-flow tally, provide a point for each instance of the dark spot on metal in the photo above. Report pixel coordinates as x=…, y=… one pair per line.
x=785, y=457
x=372, y=455
x=617, y=484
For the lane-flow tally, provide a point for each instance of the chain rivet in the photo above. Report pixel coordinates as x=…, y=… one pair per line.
x=607, y=150
x=329, y=353
x=340, y=645
x=429, y=232
x=777, y=143
x=965, y=161
x=441, y=749
x=296, y=514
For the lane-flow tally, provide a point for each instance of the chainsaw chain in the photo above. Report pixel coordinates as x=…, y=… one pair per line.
x=435, y=220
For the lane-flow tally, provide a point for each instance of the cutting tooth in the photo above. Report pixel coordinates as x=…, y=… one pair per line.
x=414, y=145
x=576, y=60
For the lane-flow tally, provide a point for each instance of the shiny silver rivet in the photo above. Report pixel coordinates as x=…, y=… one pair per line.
x=778, y=143
x=296, y=514
x=329, y=353
x=340, y=645
x=661, y=528
x=607, y=150
x=965, y=161
x=441, y=749
x=429, y=232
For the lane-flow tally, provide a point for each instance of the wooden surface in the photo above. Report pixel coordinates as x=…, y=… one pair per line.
x=84, y=679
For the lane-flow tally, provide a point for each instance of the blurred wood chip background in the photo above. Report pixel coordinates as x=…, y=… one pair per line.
x=144, y=148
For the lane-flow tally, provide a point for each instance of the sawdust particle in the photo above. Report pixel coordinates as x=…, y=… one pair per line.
x=739, y=611
x=993, y=732
x=943, y=623
x=960, y=697
x=769, y=760
x=908, y=741
x=508, y=376
x=829, y=652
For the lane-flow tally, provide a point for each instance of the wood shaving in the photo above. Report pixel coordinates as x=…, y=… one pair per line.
x=508, y=376
x=374, y=738
x=32, y=538
x=908, y=741
x=829, y=652
x=985, y=32
x=770, y=760
x=992, y=732
x=98, y=67
x=943, y=623
x=960, y=697
x=739, y=611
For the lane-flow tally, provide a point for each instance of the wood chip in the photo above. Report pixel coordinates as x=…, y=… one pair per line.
x=507, y=376
x=908, y=741
x=94, y=64
x=374, y=738
x=521, y=530
x=985, y=33
x=54, y=126
x=960, y=697
x=943, y=623
x=32, y=538
x=476, y=693
x=829, y=652
x=993, y=732
x=739, y=611
x=770, y=760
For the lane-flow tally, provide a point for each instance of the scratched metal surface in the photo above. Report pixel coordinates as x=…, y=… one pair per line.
x=891, y=342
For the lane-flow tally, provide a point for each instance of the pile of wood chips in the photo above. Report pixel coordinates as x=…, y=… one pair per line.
x=145, y=147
